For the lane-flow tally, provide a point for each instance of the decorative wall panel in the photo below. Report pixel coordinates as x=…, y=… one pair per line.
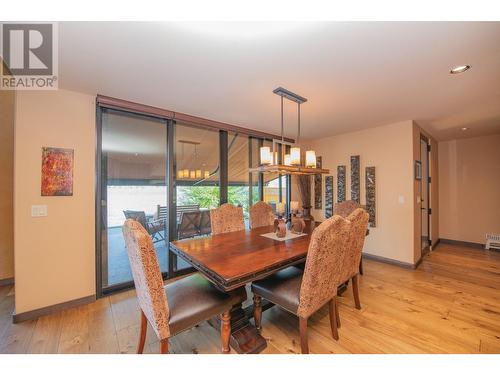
x=340, y=183
x=355, y=178
x=318, y=182
x=370, y=195
x=328, y=196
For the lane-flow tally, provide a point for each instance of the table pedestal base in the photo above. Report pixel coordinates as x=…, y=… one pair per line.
x=245, y=339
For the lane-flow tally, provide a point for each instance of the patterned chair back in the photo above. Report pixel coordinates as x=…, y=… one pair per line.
x=147, y=277
x=227, y=218
x=345, y=208
x=359, y=225
x=324, y=263
x=261, y=215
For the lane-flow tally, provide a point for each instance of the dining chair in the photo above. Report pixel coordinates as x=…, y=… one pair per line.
x=344, y=209
x=261, y=215
x=354, y=247
x=226, y=218
x=304, y=292
x=177, y=306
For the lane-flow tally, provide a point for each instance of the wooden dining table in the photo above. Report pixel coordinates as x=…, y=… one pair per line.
x=233, y=260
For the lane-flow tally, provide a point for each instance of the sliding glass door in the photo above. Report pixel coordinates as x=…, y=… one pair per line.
x=133, y=185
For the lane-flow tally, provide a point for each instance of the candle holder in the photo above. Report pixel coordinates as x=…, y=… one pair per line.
x=296, y=224
x=280, y=227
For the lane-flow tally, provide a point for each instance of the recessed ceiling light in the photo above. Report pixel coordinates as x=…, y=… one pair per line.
x=459, y=69
x=464, y=129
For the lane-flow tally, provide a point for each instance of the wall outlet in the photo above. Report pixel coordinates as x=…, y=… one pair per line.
x=39, y=210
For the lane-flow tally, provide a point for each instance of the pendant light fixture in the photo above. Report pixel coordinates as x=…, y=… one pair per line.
x=195, y=174
x=288, y=163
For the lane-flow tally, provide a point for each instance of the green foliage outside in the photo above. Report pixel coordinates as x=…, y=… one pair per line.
x=208, y=196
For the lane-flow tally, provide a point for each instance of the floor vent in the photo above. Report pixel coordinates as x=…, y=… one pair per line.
x=492, y=241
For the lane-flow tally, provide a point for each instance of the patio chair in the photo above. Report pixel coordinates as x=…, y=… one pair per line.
x=161, y=213
x=154, y=227
x=186, y=208
x=205, y=226
x=189, y=225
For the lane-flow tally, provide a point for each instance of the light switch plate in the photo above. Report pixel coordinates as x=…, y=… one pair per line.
x=401, y=199
x=39, y=210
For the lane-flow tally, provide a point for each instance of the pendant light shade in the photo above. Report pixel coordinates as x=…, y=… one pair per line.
x=310, y=159
x=288, y=160
x=295, y=156
x=198, y=173
x=265, y=156
x=207, y=174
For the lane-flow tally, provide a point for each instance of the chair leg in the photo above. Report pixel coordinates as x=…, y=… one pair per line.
x=333, y=317
x=225, y=331
x=142, y=335
x=164, y=346
x=257, y=311
x=361, y=266
x=355, y=291
x=303, y=335
x=337, y=315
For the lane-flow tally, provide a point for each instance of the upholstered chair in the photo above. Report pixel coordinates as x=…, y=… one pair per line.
x=354, y=247
x=261, y=215
x=227, y=218
x=304, y=292
x=344, y=209
x=178, y=306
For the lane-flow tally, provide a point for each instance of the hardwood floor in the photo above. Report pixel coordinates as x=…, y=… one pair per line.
x=450, y=304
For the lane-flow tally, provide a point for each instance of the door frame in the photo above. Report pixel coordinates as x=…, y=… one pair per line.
x=426, y=181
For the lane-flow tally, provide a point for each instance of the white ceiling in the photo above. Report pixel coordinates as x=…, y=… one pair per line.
x=356, y=75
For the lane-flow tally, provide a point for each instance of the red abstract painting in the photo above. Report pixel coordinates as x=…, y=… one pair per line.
x=57, y=171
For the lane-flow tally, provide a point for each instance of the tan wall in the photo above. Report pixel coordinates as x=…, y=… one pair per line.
x=417, y=193
x=7, y=105
x=469, y=193
x=389, y=149
x=54, y=255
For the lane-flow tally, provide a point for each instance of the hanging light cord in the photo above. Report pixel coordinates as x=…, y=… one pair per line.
x=298, y=121
x=282, y=137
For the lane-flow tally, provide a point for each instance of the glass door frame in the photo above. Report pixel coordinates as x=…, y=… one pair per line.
x=171, y=187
